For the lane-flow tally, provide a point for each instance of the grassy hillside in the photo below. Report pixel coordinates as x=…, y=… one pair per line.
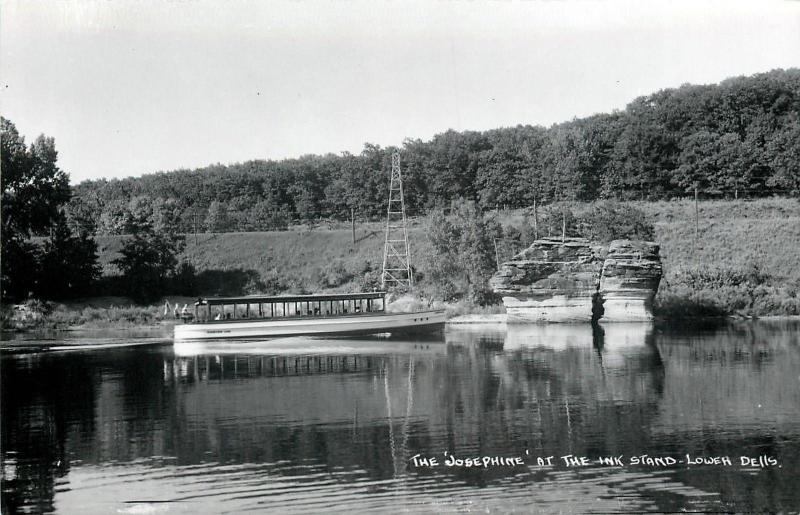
x=746, y=259
x=297, y=260
x=766, y=232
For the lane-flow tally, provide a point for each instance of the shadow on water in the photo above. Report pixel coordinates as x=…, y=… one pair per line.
x=309, y=424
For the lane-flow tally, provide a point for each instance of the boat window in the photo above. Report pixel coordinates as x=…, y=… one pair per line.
x=291, y=306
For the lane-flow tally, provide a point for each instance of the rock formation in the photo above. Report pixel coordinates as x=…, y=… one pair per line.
x=629, y=281
x=567, y=281
x=550, y=281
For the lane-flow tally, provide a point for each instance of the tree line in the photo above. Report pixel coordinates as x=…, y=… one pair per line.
x=737, y=138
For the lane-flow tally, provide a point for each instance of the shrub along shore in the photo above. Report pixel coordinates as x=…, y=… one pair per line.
x=740, y=258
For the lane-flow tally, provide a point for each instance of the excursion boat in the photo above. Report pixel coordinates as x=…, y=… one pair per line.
x=334, y=314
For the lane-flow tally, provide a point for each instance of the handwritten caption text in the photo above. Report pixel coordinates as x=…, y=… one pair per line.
x=571, y=461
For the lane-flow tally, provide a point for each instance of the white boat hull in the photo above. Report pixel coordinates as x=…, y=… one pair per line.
x=303, y=345
x=371, y=323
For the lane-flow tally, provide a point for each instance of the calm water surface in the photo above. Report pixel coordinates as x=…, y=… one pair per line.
x=310, y=425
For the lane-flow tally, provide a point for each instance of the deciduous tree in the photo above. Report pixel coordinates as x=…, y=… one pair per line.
x=34, y=188
x=69, y=265
x=463, y=258
x=148, y=260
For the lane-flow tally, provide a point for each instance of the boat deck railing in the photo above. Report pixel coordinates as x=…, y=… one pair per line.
x=322, y=306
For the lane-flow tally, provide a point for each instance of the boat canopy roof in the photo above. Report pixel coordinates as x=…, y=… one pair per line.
x=277, y=299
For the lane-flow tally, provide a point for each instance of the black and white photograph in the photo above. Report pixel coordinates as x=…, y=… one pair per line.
x=400, y=256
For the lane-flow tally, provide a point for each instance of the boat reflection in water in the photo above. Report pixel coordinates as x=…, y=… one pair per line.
x=299, y=385
x=311, y=425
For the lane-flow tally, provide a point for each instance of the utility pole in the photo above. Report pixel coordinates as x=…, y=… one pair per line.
x=696, y=214
x=563, y=227
x=396, y=252
x=496, y=254
x=353, y=224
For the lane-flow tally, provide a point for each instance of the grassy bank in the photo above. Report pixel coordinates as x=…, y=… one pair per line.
x=744, y=261
x=94, y=313
x=121, y=313
x=297, y=261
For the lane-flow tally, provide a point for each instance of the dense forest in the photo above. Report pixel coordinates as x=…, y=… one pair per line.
x=737, y=138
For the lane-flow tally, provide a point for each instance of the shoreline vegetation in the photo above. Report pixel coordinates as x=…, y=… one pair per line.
x=71, y=317
x=742, y=264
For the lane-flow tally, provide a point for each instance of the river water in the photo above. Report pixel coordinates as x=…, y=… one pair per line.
x=300, y=425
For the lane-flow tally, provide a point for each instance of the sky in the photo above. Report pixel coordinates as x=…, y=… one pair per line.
x=128, y=87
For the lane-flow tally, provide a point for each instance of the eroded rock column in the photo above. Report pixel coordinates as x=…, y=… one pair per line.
x=629, y=281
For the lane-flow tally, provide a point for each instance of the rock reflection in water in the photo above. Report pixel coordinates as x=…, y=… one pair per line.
x=307, y=426
x=573, y=388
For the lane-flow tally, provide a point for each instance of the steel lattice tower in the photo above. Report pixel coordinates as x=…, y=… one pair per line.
x=396, y=253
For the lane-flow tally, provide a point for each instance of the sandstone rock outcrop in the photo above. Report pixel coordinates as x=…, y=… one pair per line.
x=568, y=281
x=550, y=281
x=629, y=281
